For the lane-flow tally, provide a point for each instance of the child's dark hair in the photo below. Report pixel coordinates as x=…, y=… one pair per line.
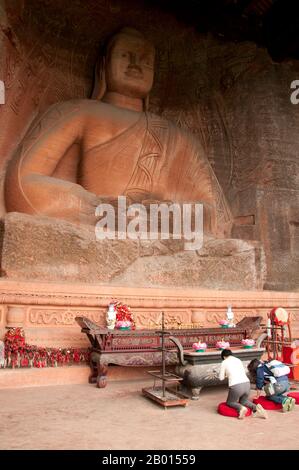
x=226, y=353
x=252, y=366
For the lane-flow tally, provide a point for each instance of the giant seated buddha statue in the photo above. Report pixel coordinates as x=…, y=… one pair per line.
x=83, y=152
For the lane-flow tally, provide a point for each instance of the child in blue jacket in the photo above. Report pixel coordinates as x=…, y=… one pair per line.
x=263, y=376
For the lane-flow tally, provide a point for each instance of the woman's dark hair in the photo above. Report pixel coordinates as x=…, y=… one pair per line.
x=226, y=353
x=252, y=366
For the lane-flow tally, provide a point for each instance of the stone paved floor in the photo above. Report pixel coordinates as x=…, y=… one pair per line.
x=119, y=417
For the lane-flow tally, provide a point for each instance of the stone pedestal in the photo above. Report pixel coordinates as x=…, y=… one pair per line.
x=54, y=250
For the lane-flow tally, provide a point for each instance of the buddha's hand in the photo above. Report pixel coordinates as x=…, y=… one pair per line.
x=93, y=207
x=84, y=204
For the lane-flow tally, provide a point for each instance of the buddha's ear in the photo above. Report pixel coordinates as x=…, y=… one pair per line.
x=99, y=87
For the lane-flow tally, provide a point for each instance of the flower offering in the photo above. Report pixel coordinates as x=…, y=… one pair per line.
x=123, y=325
x=222, y=344
x=199, y=347
x=123, y=314
x=248, y=343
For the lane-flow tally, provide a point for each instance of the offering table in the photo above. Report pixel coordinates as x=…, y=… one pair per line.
x=142, y=347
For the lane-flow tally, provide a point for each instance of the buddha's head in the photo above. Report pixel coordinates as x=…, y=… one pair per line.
x=127, y=66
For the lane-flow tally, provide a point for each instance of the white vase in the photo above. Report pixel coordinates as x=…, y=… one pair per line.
x=2, y=355
x=230, y=317
x=111, y=317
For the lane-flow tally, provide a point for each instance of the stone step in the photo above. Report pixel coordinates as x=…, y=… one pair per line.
x=65, y=375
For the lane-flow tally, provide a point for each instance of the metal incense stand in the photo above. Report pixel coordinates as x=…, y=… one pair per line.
x=161, y=394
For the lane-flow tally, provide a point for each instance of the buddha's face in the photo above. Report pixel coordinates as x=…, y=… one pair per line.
x=130, y=66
